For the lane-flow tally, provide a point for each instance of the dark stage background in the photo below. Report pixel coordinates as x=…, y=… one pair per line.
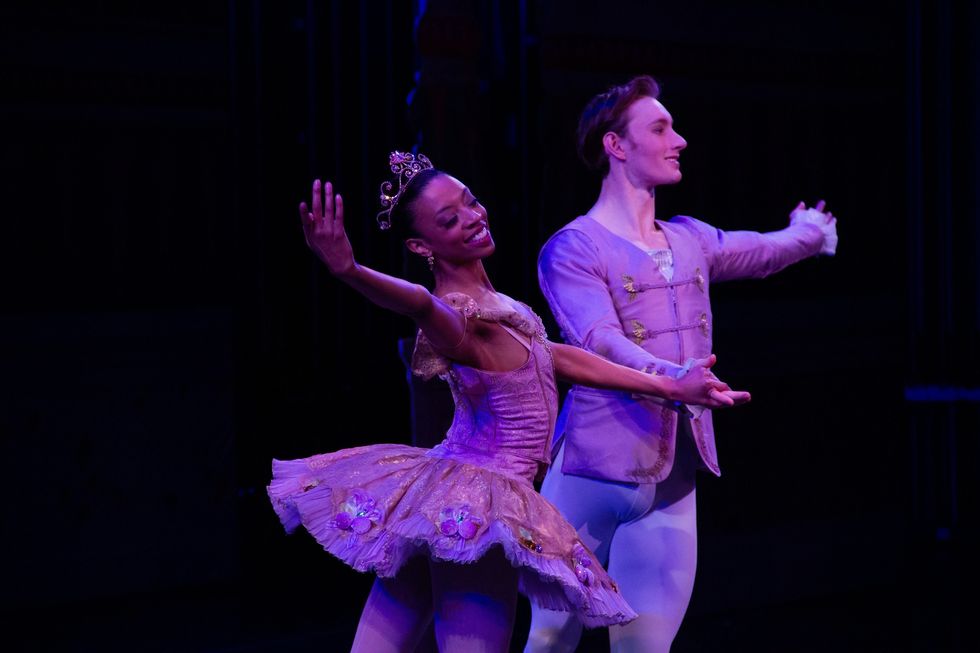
x=164, y=332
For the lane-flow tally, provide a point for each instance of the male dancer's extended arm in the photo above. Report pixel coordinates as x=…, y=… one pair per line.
x=750, y=254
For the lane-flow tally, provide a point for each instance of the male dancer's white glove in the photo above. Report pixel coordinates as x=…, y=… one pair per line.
x=824, y=220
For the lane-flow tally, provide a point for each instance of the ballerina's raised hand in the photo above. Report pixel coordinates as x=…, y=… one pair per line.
x=323, y=227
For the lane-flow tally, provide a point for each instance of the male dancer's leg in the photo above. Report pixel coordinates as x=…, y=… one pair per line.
x=654, y=559
x=475, y=604
x=397, y=611
x=595, y=509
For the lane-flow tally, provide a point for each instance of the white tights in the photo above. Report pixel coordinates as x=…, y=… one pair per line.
x=646, y=535
x=473, y=605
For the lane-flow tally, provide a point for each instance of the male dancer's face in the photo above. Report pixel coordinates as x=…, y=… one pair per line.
x=652, y=146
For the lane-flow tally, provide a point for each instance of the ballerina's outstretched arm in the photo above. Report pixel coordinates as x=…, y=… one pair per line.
x=323, y=227
x=699, y=386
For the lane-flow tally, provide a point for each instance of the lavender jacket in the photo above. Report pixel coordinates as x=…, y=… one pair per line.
x=610, y=298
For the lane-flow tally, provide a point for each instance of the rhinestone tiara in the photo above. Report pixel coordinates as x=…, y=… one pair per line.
x=405, y=166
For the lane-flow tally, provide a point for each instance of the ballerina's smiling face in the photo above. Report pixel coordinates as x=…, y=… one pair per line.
x=450, y=222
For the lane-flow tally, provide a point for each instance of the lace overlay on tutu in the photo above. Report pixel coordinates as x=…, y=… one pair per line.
x=376, y=506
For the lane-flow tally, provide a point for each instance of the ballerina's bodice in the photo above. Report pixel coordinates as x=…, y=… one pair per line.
x=503, y=420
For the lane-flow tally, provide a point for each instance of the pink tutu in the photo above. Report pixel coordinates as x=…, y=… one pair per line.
x=374, y=507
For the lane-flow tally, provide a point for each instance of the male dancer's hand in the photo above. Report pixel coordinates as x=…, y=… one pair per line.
x=324, y=229
x=825, y=220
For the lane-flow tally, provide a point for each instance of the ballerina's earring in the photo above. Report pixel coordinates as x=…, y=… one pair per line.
x=431, y=260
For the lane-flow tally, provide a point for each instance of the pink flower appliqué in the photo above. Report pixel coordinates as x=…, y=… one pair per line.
x=358, y=514
x=458, y=522
x=581, y=561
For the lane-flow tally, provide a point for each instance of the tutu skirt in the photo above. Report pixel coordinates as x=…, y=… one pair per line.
x=374, y=507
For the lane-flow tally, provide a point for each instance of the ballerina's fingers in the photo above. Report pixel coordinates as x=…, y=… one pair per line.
x=738, y=396
x=306, y=219
x=726, y=398
x=332, y=225
x=338, y=212
x=317, y=200
x=720, y=399
x=328, y=203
